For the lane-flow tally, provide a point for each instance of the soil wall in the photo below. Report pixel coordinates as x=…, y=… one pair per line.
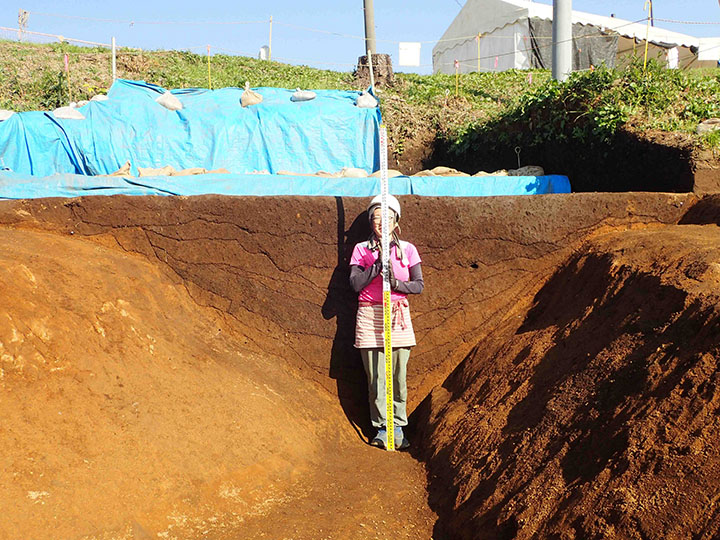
x=279, y=266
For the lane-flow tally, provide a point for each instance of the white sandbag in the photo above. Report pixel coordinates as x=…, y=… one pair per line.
x=527, y=170
x=711, y=124
x=167, y=170
x=499, y=172
x=249, y=97
x=5, y=114
x=81, y=103
x=68, y=113
x=303, y=95
x=366, y=101
x=189, y=172
x=441, y=171
x=99, y=97
x=353, y=172
x=122, y=171
x=170, y=102
x=391, y=173
x=325, y=174
x=444, y=171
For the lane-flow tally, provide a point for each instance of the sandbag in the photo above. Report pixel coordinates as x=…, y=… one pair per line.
x=353, y=172
x=303, y=95
x=170, y=101
x=527, y=170
x=99, y=97
x=447, y=171
x=391, y=173
x=441, y=171
x=325, y=174
x=68, y=113
x=167, y=170
x=499, y=172
x=711, y=124
x=189, y=172
x=249, y=97
x=366, y=101
x=122, y=171
x=5, y=114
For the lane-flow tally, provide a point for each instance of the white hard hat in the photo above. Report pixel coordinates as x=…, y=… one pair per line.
x=392, y=202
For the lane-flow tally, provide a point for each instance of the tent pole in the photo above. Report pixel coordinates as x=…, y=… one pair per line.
x=562, y=39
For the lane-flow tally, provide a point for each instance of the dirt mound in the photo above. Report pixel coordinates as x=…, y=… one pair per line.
x=248, y=302
x=129, y=411
x=596, y=415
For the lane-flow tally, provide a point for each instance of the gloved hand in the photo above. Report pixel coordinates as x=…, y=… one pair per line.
x=393, y=281
x=378, y=262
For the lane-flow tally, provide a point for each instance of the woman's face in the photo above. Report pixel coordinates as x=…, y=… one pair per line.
x=377, y=221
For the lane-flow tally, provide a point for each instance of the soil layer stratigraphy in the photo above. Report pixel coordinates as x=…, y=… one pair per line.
x=199, y=352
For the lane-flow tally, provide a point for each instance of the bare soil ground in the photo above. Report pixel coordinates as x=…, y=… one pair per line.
x=182, y=368
x=131, y=412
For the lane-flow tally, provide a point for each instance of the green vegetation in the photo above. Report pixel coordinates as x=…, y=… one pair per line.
x=513, y=108
x=591, y=106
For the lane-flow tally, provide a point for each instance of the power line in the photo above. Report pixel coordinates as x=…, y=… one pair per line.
x=687, y=22
x=133, y=22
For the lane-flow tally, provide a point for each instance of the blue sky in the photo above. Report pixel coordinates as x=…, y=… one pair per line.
x=321, y=33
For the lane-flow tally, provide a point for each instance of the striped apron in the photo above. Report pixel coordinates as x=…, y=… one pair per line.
x=369, y=325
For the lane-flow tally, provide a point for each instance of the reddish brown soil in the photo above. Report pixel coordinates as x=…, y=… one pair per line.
x=596, y=414
x=199, y=350
x=127, y=407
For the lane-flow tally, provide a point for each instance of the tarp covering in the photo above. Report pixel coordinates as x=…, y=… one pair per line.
x=211, y=131
x=589, y=47
x=43, y=156
x=18, y=186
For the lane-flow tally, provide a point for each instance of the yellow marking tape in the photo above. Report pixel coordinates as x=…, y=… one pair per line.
x=387, y=306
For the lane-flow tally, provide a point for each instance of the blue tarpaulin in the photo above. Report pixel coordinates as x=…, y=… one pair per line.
x=212, y=131
x=15, y=186
x=43, y=156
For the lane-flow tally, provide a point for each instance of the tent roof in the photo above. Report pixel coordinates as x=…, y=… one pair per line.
x=484, y=16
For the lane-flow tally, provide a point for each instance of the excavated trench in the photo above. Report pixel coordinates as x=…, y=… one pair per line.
x=183, y=368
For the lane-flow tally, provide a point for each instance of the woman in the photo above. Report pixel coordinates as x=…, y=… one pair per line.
x=366, y=279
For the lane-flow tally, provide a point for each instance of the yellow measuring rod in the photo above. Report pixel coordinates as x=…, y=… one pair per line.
x=387, y=305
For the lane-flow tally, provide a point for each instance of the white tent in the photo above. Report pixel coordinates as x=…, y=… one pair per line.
x=518, y=34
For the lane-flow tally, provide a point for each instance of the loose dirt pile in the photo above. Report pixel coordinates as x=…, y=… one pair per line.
x=597, y=416
x=565, y=351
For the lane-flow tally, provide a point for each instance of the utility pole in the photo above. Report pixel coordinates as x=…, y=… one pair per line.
x=369, y=26
x=562, y=39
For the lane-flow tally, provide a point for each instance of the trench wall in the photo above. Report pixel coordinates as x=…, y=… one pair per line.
x=278, y=266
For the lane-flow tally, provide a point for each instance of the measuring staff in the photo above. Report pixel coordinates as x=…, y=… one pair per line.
x=404, y=277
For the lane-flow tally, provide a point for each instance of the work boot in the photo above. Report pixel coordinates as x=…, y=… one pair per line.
x=380, y=439
x=401, y=443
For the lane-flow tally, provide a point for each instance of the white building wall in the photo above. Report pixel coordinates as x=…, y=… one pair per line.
x=500, y=50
